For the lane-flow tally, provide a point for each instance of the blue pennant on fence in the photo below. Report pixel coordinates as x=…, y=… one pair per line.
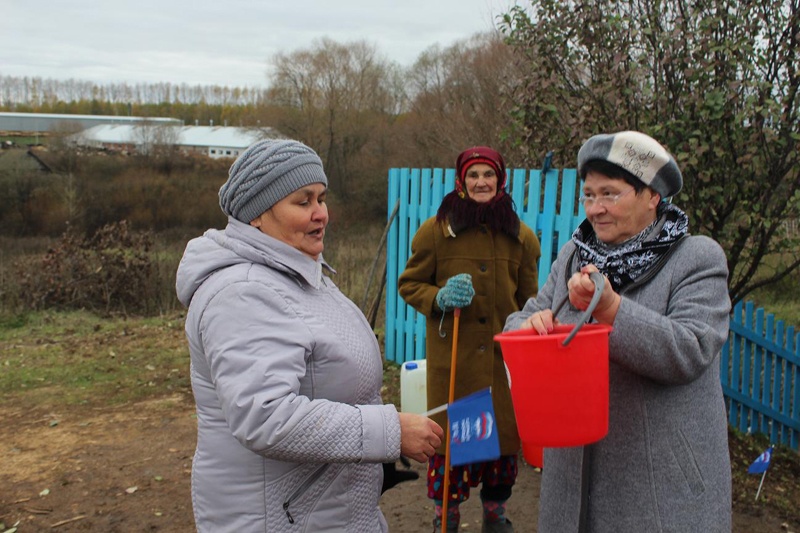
x=473, y=429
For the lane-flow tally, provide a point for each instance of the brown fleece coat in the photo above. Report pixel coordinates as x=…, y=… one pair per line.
x=504, y=275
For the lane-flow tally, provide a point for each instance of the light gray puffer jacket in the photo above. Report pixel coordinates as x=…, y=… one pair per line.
x=286, y=374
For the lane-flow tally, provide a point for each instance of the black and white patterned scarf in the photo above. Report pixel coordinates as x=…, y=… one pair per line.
x=626, y=262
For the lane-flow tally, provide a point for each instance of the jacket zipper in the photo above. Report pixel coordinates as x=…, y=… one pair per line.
x=310, y=480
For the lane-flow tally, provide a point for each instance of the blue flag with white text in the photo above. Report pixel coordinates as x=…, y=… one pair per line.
x=761, y=464
x=473, y=429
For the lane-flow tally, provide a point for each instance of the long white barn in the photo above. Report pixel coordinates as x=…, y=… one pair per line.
x=137, y=134
x=213, y=141
x=54, y=122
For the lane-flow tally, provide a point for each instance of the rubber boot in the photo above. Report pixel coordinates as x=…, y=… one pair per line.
x=497, y=527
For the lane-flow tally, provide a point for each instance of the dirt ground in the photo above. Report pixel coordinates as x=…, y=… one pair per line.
x=127, y=469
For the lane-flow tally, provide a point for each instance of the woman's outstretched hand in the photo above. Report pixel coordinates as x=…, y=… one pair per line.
x=419, y=436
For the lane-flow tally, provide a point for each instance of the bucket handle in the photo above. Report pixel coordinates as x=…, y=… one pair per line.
x=599, y=283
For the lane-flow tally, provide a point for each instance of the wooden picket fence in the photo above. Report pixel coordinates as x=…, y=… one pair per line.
x=760, y=367
x=760, y=363
x=417, y=194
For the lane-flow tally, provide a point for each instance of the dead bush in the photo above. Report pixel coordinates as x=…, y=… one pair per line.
x=109, y=272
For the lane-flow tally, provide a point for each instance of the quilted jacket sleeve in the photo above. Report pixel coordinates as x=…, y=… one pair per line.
x=257, y=349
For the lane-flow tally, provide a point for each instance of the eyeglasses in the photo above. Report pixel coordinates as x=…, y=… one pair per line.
x=606, y=200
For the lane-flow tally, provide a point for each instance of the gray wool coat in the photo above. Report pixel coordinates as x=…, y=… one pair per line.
x=664, y=465
x=286, y=373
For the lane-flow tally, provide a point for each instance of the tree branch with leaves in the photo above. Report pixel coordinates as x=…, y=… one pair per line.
x=715, y=81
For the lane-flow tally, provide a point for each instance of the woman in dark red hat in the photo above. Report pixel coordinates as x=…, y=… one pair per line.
x=476, y=255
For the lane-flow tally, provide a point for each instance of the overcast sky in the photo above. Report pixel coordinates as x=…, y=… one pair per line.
x=224, y=42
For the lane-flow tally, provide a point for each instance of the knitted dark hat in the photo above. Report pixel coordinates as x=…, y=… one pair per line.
x=639, y=154
x=265, y=173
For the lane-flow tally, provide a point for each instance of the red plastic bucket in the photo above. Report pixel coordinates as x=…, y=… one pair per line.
x=560, y=393
x=533, y=454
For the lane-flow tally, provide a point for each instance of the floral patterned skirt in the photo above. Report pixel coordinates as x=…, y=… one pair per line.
x=502, y=471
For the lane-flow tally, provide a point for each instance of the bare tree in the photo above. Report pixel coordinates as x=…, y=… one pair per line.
x=339, y=99
x=458, y=99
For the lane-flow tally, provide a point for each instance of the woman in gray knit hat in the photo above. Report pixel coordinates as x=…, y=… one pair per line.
x=664, y=465
x=286, y=371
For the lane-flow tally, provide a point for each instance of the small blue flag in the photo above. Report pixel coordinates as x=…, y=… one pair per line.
x=473, y=429
x=761, y=464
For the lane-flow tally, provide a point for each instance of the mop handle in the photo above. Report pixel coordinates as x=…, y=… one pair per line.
x=599, y=283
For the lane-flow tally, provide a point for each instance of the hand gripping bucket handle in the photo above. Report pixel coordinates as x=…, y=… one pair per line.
x=599, y=284
x=559, y=381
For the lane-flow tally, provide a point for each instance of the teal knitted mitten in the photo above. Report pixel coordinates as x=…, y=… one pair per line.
x=457, y=292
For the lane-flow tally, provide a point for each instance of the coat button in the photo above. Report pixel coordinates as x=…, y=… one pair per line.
x=482, y=320
x=482, y=348
x=483, y=268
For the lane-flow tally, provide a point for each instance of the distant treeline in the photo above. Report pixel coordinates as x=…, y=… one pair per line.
x=361, y=113
x=193, y=104
x=347, y=101
x=39, y=92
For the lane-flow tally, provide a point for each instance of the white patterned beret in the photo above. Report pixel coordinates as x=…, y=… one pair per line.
x=639, y=154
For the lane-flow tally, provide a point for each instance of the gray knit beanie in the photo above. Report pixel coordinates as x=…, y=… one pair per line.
x=639, y=154
x=265, y=173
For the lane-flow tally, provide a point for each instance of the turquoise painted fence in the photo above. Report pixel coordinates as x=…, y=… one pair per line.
x=551, y=213
x=760, y=363
x=760, y=368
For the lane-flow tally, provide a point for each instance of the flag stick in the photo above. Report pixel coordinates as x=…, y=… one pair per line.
x=450, y=398
x=759, y=485
x=436, y=410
